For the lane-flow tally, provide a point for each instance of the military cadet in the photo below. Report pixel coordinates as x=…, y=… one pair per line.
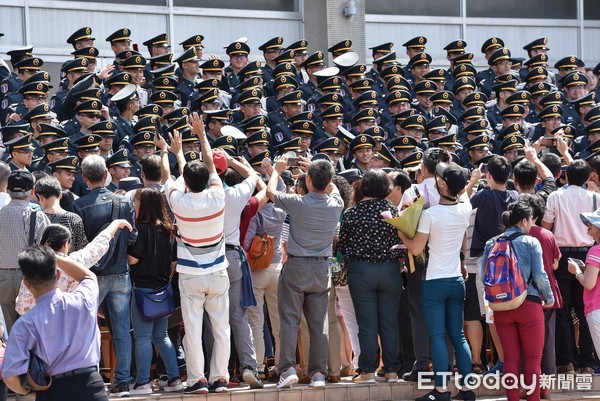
x=73, y=70
x=113, y=85
x=312, y=64
x=499, y=62
x=271, y=49
x=364, y=119
x=340, y=48
x=118, y=166
x=436, y=128
x=300, y=55
x=10, y=132
x=331, y=120
x=574, y=86
x=120, y=41
x=419, y=64
x=565, y=66
x=143, y=145
x=534, y=48
x=400, y=117
x=437, y=75
x=13, y=82
x=81, y=38
x=282, y=85
x=413, y=47
x=537, y=91
x=382, y=64
x=453, y=50
x=550, y=120
x=53, y=151
x=512, y=143
x=378, y=134
x=107, y=131
x=90, y=54
x=362, y=150
x=403, y=146
x=86, y=114
x=290, y=105
x=135, y=67
x=591, y=135
x=194, y=41
x=13, y=106
x=158, y=45
x=213, y=69
x=64, y=170
x=304, y=130
x=397, y=101
x=475, y=150
x=512, y=114
x=21, y=152
x=378, y=52
x=214, y=121
x=346, y=138
x=582, y=106
x=190, y=68
x=502, y=90
x=227, y=143
x=383, y=159
x=127, y=102
x=257, y=160
x=423, y=91
x=461, y=88
x=414, y=126
x=448, y=143
x=331, y=147
x=443, y=99
x=256, y=143
x=488, y=48
x=238, y=57
x=359, y=87
x=165, y=99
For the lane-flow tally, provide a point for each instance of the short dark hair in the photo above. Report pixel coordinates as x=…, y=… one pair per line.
x=401, y=179
x=346, y=190
x=499, y=168
x=376, y=184
x=47, y=187
x=38, y=264
x=432, y=157
x=552, y=161
x=301, y=182
x=231, y=177
x=578, y=172
x=151, y=167
x=55, y=236
x=321, y=172
x=594, y=163
x=195, y=175
x=525, y=174
x=536, y=202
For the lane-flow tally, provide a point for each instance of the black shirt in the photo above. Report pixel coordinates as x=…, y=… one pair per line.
x=155, y=250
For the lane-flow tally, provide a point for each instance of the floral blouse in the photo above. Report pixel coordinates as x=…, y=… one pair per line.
x=364, y=235
x=87, y=256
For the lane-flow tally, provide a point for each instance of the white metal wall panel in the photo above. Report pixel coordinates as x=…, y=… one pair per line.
x=12, y=26
x=438, y=36
x=220, y=31
x=591, y=46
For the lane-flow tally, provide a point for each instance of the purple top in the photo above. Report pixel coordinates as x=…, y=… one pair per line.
x=61, y=330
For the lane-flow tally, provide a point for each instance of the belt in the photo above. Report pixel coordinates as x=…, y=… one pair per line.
x=575, y=249
x=234, y=247
x=309, y=257
x=75, y=372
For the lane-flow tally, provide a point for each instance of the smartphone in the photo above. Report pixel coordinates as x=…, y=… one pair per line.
x=483, y=167
x=413, y=175
x=292, y=162
x=549, y=142
x=578, y=262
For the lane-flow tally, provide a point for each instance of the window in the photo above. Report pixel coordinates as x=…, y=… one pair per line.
x=591, y=10
x=137, y=2
x=553, y=9
x=266, y=5
x=439, y=8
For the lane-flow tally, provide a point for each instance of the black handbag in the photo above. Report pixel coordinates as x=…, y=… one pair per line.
x=155, y=304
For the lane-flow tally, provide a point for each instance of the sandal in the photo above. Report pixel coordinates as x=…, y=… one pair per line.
x=477, y=368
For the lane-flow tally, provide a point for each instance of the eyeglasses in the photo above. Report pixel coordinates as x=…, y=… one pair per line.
x=59, y=153
x=91, y=116
x=23, y=151
x=40, y=98
x=253, y=105
x=239, y=56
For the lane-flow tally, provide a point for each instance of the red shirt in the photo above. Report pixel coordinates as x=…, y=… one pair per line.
x=249, y=211
x=550, y=253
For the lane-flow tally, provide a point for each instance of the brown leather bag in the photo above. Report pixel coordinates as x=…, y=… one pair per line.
x=262, y=249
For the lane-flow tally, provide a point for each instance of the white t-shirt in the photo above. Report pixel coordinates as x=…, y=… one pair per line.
x=446, y=226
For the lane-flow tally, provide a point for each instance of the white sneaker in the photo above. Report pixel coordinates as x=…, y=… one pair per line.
x=163, y=380
x=141, y=389
x=287, y=378
x=174, y=385
x=318, y=380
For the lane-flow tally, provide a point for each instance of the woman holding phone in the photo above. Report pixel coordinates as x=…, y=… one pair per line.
x=587, y=275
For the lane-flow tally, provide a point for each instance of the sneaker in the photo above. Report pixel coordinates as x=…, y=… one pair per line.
x=568, y=368
x=163, y=380
x=317, y=380
x=251, y=377
x=287, y=378
x=219, y=386
x=379, y=372
x=364, y=377
x=200, y=387
x=272, y=376
x=234, y=381
x=141, y=389
x=497, y=368
x=391, y=377
x=413, y=376
x=119, y=390
x=435, y=395
x=173, y=385
x=464, y=395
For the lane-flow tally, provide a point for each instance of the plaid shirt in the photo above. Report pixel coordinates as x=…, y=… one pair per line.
x=14, y=231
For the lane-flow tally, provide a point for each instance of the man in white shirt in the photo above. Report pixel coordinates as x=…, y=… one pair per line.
x=197, y=200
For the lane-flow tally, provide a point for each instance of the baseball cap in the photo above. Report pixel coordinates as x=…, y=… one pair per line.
x=590, y=218
x=20, y=181
x=220, y=162
x=453, y=175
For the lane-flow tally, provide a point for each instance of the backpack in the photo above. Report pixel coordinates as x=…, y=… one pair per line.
x=504, y=284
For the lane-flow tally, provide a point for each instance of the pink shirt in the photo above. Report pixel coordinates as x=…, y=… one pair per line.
x=591, y=298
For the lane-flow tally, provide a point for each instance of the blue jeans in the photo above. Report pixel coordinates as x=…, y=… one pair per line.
x=115, y=291
x=147, y=333
x=375, y=289
x=443, y=306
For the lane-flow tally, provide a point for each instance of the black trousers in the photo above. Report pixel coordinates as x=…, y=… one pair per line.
x=572, y=294
x=420, y=335
x=83, y=387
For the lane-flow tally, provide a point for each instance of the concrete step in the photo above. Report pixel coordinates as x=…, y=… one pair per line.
x=380, y=391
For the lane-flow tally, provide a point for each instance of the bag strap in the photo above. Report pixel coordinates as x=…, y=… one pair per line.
x=510, y=238
x=595, y=203
x=32, y=221
x=261, y=224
